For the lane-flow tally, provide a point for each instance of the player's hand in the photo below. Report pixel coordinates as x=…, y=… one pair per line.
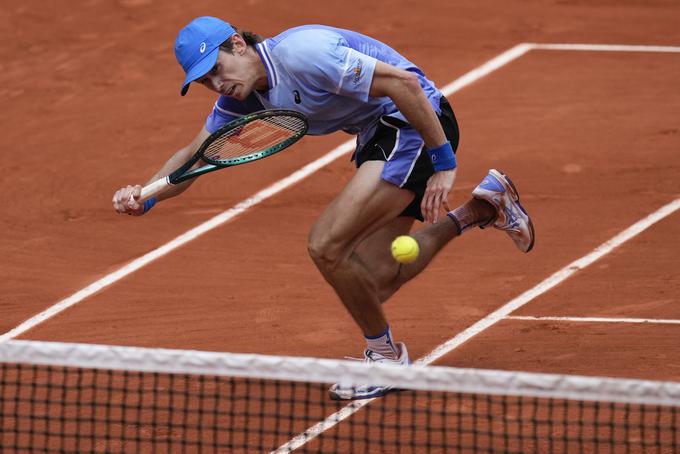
x=126, y=200
x=436, y=194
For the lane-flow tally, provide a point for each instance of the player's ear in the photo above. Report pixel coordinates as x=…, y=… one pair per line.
x=239, y=44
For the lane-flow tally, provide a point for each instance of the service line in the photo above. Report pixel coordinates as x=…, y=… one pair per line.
x=660, y=321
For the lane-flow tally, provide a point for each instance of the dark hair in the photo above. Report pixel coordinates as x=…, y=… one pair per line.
x=249, y=37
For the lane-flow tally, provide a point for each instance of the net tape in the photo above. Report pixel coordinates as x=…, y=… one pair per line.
x=430, y=378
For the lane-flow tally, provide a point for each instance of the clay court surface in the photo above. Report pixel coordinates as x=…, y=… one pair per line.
x=90, y=102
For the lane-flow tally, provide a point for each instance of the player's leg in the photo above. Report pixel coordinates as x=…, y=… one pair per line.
x=374, y=253
x=408, y=166
x=390, y=162
x=389, y=275
x=367, y=209
x=364, y=206
x=495, y=202
x=393, y=168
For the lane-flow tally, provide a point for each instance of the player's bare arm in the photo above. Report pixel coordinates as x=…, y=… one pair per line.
x=404, y=89
x=126, y=199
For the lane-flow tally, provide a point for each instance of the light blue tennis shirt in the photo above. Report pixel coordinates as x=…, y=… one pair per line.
x=325, y=73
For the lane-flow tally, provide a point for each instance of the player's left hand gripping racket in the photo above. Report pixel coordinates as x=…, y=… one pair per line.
x=246, y=139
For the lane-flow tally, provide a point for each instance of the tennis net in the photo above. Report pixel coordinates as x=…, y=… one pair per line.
x=82, y=398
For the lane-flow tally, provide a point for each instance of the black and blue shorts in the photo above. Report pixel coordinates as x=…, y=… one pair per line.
x=407, y=164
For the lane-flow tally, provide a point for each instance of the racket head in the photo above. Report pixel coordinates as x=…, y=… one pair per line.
x=253, y=136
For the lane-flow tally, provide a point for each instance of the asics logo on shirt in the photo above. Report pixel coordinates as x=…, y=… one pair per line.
x=298, y=100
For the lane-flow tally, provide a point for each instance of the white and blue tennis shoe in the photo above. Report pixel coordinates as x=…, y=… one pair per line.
x=341, y=391
x=498, y=190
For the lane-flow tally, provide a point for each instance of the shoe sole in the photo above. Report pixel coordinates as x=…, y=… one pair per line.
x=372, y=396
x=509, y=186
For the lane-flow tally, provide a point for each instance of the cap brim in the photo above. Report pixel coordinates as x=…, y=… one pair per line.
x=200, y=69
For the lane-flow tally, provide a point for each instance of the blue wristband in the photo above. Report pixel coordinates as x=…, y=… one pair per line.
x=148, y=204
x=442, y=157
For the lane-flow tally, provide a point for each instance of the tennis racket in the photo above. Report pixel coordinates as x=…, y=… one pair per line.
x=246, y=139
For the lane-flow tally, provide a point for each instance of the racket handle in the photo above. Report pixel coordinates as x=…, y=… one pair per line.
x=154, y=188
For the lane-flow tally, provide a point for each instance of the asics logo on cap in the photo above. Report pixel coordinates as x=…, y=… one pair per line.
x=202, y=48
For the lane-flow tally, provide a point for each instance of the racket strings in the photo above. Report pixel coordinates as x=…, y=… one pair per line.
x=258, y=136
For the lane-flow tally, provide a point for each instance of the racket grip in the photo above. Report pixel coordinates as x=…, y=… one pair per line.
x=154, y=188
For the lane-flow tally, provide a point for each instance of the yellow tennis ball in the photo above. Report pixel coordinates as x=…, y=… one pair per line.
x=405, y=249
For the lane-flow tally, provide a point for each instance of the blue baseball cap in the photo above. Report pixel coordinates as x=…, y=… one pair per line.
x=198, y=44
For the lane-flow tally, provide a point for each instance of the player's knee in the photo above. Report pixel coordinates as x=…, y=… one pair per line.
x=324, y=251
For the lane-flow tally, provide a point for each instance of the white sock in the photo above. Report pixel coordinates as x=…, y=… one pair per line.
x=383, y=344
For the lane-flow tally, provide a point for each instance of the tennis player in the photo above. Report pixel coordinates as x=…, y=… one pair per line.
x=406, y=134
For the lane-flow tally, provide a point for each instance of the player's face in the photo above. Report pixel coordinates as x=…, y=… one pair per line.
x=233, y=75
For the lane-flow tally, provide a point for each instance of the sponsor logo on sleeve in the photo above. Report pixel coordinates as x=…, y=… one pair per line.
x=357, y=72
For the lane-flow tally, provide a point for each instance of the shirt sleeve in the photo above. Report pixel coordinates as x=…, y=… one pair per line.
x=357, y=74
x=326, y=62
x=228, y=109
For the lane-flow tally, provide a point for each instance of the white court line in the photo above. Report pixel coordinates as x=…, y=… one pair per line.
x=606, y=48
x=494, y=317
x=241, y=207
x=595, y=319
x=487, y=68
